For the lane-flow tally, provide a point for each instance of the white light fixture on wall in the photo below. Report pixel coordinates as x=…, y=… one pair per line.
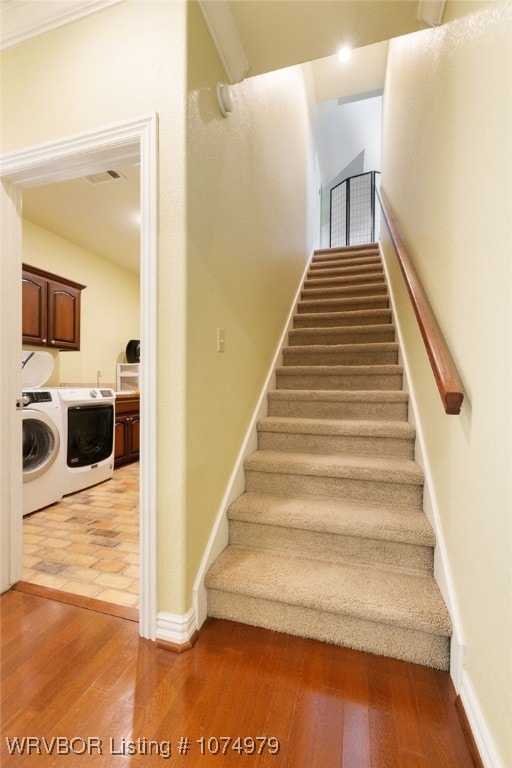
x=224, y=99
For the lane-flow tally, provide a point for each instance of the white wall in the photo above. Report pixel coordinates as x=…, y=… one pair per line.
x=447, y=170
x=343, y=131
x=348, y=141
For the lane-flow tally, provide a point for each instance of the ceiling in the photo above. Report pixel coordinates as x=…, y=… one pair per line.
x=103, y=217
x=275, y=33
x=279, y=33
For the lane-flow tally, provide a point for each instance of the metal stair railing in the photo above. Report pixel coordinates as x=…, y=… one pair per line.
x=354, y=215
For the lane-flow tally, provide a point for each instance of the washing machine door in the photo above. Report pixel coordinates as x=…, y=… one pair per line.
x=41, y=443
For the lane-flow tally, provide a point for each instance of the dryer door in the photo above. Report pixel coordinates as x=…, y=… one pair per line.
x=41, y=442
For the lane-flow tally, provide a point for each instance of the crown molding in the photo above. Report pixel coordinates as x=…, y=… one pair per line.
x=224, y=33
x=21, y=20
x=431, y=12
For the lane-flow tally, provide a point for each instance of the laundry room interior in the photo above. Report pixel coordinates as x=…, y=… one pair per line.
x=81, y=373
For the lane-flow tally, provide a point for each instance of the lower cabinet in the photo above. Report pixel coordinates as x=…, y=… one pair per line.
x=127, y=430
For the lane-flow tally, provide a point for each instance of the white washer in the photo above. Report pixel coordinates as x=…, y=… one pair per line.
x=43, y=462
x=88, y=436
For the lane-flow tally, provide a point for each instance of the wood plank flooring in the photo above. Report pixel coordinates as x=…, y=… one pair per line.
x=87, y=677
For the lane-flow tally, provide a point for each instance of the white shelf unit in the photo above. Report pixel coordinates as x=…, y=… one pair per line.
x=127, y=379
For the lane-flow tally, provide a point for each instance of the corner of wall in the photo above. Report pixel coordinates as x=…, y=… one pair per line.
x=442, y=569
x=218, y=540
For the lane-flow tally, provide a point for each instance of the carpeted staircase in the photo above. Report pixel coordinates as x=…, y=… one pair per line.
x=329, y=541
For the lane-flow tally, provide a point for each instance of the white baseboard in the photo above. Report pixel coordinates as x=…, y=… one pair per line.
x=442, y=570
x=218, y=540
x=175, y=628
x=481, y=732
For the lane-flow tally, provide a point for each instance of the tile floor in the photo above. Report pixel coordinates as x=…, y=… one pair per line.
x=88, y=543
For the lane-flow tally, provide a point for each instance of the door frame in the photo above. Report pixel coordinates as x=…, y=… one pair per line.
x=127, y=142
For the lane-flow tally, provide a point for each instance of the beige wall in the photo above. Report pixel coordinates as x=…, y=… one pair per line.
x=109, y=305
x=250, y=231
x=121, y=63
x=447, y=170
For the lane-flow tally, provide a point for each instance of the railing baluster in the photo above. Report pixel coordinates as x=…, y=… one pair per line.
x=354, y=210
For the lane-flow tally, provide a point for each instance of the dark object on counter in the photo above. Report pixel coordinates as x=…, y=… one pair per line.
x=133, y=351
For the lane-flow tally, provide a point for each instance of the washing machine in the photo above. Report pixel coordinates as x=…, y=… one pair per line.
x=43, y=464
x=88, y=435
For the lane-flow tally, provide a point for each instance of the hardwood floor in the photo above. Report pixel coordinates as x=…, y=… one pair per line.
x=88, y=678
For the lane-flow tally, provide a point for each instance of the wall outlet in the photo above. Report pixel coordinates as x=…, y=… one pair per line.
x=221, y=340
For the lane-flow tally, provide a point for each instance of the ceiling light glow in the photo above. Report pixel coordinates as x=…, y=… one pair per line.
x=344, y=53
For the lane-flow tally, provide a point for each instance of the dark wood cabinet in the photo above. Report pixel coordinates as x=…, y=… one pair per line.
x=50, y=309
x=127, y=429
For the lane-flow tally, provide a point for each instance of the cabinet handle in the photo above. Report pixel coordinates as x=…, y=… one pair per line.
x=44, y=341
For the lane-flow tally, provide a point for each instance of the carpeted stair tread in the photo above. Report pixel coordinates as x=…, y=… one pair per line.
x=344, y=291
x=371, y=266
x=340, y=517
x=375, y=594
x=320, y=267
x=336, y=395
x=336, y=427
x=343, y=318
x=383, y=405
x=369, y=353
x=330, y=281
x=342, y=254
x=339, y=334
x=348, y=377
x=343, y=304
x=366, y=468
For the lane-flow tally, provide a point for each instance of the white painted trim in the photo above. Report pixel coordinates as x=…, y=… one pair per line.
x=481, y=732
x=442, y=569
x=11, y=469
x=218, y=540
x=21, y=21
x=224, y=33
x=41, y=164
x=174, y=628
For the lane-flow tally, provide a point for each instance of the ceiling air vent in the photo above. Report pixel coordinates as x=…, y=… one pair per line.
x=104, y=176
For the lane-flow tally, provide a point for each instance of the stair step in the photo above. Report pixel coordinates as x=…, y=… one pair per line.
x=341, y=354
x=393, y=481
x=348, y=252
x=345, y=291
x=364, y=266
x=329, y=281
x=343, y=304
x=338, y=319
x=335, y=436
x=333, y=404
x=320, y=267
x=348, y=377
x=353, y=334
x=372, y=609
x=401, y=538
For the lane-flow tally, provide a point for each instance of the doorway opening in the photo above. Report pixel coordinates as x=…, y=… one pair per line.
x=82, y=535
x=125, y=144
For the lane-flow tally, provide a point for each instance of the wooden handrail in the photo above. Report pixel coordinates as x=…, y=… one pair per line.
x=446, y=375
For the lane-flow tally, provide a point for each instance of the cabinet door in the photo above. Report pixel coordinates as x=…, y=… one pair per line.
x=121, y=440
x=34, y=309
x=63, y=316
x=134, y=434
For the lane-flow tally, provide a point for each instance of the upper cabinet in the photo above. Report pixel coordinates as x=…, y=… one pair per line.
x=51, y=309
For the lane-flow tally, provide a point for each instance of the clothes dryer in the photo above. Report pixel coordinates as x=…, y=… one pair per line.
x=88, y=436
